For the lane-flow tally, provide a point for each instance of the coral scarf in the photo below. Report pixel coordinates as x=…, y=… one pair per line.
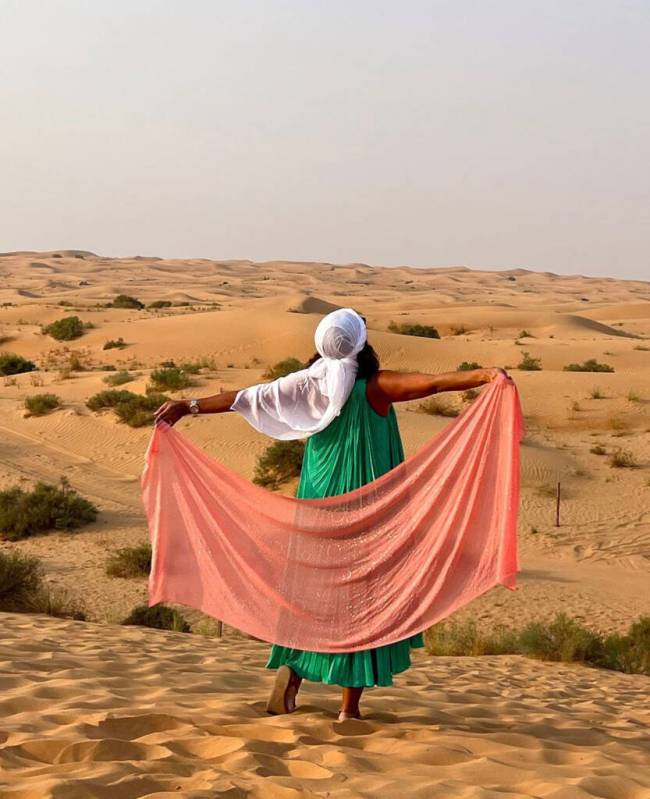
x=345, y=573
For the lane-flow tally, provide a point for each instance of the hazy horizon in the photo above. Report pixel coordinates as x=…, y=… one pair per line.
x=492, y=135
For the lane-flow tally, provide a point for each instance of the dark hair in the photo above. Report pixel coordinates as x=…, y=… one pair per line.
x=367, y=359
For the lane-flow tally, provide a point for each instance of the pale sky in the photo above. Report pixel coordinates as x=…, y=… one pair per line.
x=488, y=133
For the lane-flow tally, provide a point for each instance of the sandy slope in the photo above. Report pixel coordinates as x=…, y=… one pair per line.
x=495, y=727
x=91, y=713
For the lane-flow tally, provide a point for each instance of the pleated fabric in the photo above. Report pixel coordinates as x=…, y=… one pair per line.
x=355, y=449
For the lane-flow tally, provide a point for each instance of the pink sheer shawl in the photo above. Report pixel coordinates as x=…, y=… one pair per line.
x=344, y=573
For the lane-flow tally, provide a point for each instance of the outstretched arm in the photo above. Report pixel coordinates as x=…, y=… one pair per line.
x=173, y=410
x=386, y=386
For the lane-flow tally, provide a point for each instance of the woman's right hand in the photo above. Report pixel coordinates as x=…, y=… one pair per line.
x=494, y=371
x=171, y=411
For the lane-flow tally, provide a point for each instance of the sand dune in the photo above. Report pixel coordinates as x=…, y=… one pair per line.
x=103, y=711
x=88, y=713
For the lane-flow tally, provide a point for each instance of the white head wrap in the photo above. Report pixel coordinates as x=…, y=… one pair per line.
x=305, y=402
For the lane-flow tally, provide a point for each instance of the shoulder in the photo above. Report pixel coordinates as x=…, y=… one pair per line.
x=376, y=393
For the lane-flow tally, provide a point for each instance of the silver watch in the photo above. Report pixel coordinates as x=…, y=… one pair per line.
x=194, y=406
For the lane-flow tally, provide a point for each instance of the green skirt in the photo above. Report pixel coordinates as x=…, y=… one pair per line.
x=348, y=669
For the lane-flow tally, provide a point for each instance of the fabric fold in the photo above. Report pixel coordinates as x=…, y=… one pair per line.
x=375, y=565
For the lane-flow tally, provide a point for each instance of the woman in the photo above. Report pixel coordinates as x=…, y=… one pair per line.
x=342, y=403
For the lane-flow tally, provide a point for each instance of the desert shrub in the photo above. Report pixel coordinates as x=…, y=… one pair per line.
x=470, y=394
x=109, y=398
x=598, y=450
x=58, y=602
x=194, y=367
x=406, y=329
x=125, y=301
x=160, y=616
x=12, y=364
x=20, y=580
x=40, y=404
x=118, y=378
x=458, y=330
x=66, y=329
x=467, y=366
x=575, y=406
x=465, y=638
x=45, y=507
x=279, y=462
x=4, y=339
x=170, y=378
x=115, y=343
x=160, y=304
x=528, y=363
x=633, y=396
x=630, y=652
x=622, y=459
x=590, y=365
x=641, y=347
x=130, y=562
x=283, y=368
x=525, y=334
x=563, y=639
x=596, y=393
x=434, y=407
x=68, y=360
x=136, y=410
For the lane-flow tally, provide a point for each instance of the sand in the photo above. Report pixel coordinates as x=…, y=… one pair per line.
x=89, y=711
x=472, y=728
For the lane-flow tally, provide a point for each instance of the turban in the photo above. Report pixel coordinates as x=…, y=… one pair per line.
x=305, y=402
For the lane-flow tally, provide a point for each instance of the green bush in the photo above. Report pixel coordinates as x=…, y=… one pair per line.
x=170, y=378
x=130, y=562
x=160, y=304
x=591, y=365
x=528, y=363
x=562, y=639
x=20, y=580
x=434, y=407
x=631, y=652
x=45, y=507
x=66, y=329
x=118, y=378
x=467, y=366
x=138, y=411
x=159, y=616
x=109, y=398
x=283, y=368
x=456, y=638
x=405, y=329
x=12, y=364
x=279, y=462
x=115, y=343
x=124, y=301
x=22, y=589
x=40, y=404
x=135, y=409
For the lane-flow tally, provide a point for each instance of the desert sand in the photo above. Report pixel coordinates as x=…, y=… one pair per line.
x=99, y=710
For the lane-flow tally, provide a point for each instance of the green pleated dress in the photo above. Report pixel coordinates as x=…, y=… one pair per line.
x=354, y=449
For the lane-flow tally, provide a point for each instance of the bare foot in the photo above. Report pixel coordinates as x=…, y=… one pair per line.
x=283, y=695
x=349, y=714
